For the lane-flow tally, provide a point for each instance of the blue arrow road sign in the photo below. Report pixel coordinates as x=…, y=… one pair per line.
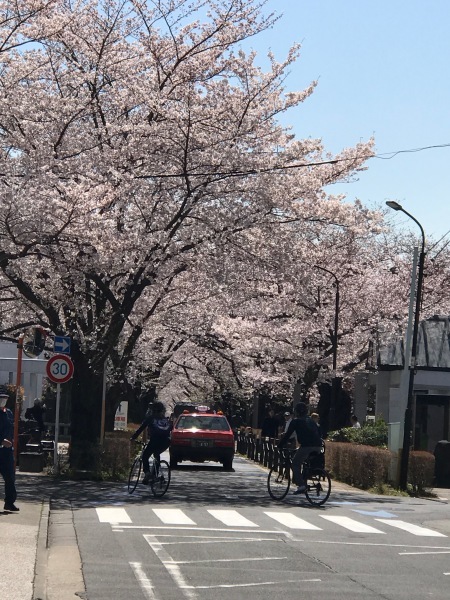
x=61, y=344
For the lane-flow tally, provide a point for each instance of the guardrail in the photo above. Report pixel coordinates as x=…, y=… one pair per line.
x=261, y=450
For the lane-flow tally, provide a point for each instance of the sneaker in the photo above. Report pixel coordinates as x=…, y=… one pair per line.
x=147, y=478
x=11, y=508
x=300, y=490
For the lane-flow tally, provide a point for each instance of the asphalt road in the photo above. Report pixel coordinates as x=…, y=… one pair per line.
x=218, y=535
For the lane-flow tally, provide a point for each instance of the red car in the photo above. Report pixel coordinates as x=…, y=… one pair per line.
x=200, y=437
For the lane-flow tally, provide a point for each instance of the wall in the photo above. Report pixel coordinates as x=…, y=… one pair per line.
x=33, y=372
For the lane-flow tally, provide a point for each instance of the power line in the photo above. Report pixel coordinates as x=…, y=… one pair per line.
x=334, y=161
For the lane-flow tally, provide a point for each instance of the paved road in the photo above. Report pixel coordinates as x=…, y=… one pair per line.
x=219, y=535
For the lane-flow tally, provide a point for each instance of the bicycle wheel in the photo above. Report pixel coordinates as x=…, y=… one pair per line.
x=161, y=483
x=318, y=486
x=135, y=474
x=279, y=482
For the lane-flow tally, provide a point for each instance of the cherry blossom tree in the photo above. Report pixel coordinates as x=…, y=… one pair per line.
x=153, y=207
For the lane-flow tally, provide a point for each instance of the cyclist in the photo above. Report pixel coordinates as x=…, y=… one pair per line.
x=309, y=439
x=158, y=429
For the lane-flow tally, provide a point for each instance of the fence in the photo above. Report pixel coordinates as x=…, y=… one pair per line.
x=261, y=450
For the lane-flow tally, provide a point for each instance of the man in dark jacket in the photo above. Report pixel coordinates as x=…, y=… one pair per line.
x=270, y=425
x=158, y=429
x=7, y=470
x=309, y=439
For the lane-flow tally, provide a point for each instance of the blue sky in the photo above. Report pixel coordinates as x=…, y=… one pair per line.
x=382, y=67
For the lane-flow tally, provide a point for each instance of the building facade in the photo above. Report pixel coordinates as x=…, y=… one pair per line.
x=32, y=376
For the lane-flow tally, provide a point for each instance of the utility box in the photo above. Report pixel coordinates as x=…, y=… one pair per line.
x=31, y=462
x=442, y=464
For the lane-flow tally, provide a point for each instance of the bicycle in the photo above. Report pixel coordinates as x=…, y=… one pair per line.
x=317, y=479
x=159, y=474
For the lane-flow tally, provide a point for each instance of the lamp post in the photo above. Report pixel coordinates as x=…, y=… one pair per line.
x=403, y=482
x=335, y=344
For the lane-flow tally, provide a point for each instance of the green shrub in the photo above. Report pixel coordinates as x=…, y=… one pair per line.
x=420, y=470
x=115, y=455
x=92, y=461
x=375, y=434
x=362, y=466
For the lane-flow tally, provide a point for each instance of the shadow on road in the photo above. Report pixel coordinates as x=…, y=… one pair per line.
x=192, y=484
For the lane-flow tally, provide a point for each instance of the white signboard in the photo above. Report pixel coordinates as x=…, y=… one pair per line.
x=121, y=418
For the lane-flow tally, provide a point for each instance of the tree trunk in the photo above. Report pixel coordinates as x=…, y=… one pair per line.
x=85, y=413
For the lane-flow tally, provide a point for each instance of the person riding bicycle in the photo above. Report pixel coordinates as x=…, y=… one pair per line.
x=158, y=429
x=309, y=439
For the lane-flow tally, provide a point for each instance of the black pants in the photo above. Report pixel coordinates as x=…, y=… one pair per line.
x=154, y=447
x=8, y=473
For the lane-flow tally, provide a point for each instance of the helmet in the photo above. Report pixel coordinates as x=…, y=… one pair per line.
x=158, y=407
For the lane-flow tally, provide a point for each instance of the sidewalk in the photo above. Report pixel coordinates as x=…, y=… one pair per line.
x=42, y=558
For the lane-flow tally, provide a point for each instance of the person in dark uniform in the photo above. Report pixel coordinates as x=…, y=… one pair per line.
x=7, y=469
x=270, y=425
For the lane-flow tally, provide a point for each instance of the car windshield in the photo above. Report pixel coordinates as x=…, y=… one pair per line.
x=205, y=423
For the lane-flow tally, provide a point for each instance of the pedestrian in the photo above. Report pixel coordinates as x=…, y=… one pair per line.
x=7, y=468
x=37, y=414
x=270, y=425
x=158, y=429
x=355, y=423
x=309, y=439
x=316, y=418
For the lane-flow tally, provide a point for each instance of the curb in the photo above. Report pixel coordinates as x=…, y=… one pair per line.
x=41, y=564
x=58, y=567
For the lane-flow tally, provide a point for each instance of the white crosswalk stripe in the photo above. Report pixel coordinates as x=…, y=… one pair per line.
x=119, y=518
x=232, y=518
x=173, y=516
x=112, y=515
x=291, y=521
x=351, y=524
x=411, y=528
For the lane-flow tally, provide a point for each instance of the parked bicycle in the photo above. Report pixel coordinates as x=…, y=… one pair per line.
x=159, y=474
x=317, y=479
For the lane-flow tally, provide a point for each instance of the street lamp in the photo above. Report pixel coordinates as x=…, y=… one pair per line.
x=408, y=412
x=335, y=344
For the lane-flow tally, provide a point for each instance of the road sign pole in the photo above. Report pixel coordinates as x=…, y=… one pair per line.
x=59, y=370
x=18, y=405
x=55, y=451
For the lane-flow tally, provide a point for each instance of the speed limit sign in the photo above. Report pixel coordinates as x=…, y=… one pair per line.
x=59, y=368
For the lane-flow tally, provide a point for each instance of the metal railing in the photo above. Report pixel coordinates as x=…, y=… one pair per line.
x=261, y=450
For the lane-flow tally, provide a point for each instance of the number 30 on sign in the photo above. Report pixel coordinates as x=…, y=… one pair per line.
x=59, y=368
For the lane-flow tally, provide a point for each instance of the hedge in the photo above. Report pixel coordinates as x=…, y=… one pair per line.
x=366, y=466
x=361, y=466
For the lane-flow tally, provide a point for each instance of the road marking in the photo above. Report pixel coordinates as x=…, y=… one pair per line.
x=291, y=521
x=231, y=518
x=376, y=513
x=113, y=515
x=185, y=528
x=414, y=529
x=218, y=560
x=237, y=585
x=171, y=567
x=352, y=525
x=420, y=553
x=189, y=590
x=143, y=580
x=173, y=516
x=220, y=540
